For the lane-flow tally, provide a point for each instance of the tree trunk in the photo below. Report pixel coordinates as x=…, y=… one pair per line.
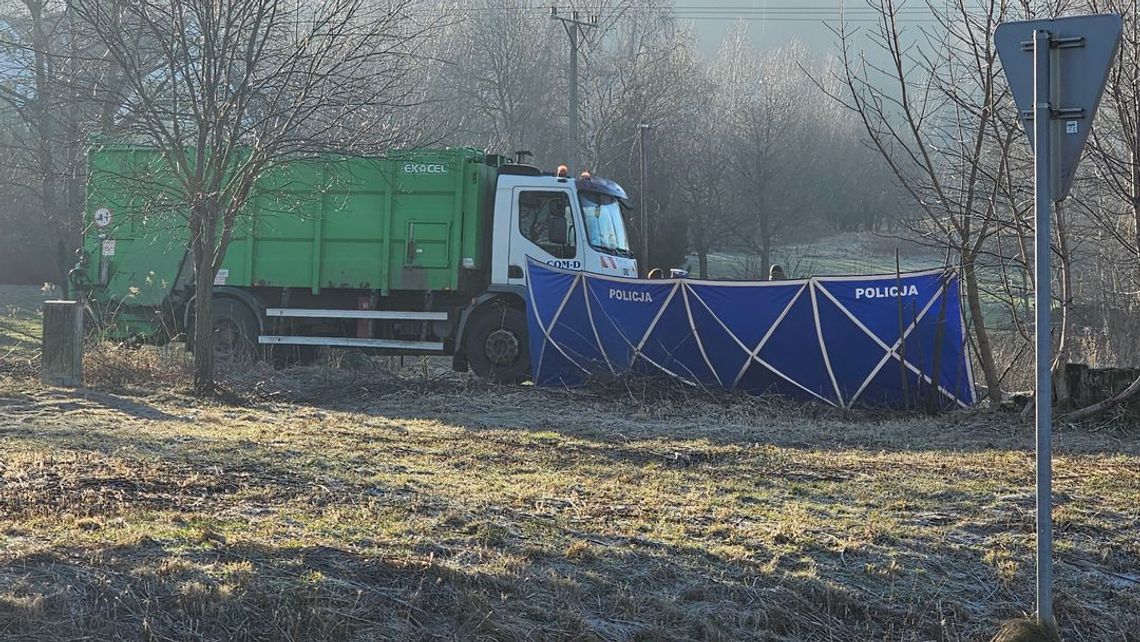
x=74, y=196
x=1136, y=182
x=203, y=318
x=44, y=114
x=74, y=189
x=701, y=247
x=765, y=246
x=1134, y=388
x=985, y=349
x=1136, y=216
x=63, y=263
x=1061, y=350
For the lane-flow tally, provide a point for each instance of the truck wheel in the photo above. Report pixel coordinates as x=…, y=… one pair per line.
x=235, y=333
x=496, y=345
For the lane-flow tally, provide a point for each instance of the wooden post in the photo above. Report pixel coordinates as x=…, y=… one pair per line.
x=63, y=344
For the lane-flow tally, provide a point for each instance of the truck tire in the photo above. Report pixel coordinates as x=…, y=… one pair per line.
x=235, y=333
x=497, y=346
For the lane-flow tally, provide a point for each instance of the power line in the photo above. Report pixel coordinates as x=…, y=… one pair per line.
x=773, y=13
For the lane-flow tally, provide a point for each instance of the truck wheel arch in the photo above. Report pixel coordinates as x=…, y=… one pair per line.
x=223, y=292
x=509, y=299
x=510, y=295
x=497, y=343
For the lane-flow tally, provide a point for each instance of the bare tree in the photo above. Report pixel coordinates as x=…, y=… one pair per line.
x=46, y=77
x=1113, y=203
x=497, y=83
x=641, y=67
x=779, y=153
x=228, y=89
x=704, y=187
x=930, y=113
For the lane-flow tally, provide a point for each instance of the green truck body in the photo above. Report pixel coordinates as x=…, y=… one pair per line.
x=403, y=253
x=416, y=221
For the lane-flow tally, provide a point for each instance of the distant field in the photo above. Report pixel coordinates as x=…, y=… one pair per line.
x=363, y=504
x=849, y=254
x=840, y=254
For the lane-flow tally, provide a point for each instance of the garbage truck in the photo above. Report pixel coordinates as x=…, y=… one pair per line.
x=419, y=252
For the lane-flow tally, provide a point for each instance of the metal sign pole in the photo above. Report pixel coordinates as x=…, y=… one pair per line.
x=1061, y=79
x=1042, y=166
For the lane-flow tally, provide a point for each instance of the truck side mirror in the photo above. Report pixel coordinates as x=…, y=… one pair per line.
x=557, y=230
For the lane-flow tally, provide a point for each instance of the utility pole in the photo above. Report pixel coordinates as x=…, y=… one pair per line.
x=644, y=198
x=574, y=27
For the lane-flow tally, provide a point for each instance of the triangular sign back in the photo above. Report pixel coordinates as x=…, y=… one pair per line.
x=1080, y=71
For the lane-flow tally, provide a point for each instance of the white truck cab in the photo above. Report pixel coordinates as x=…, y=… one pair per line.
x=572, y=223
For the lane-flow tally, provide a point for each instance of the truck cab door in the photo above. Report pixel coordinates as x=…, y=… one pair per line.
x=543, y=226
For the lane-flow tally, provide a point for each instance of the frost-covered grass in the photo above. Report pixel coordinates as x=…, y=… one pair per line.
x=21, y=322
x=394, y=503
x=361, y=504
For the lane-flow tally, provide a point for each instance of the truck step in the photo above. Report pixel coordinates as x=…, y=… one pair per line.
x=356, y=314
x=350, y=342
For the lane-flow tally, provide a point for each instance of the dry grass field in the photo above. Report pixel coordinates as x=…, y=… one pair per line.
x=382, y=504
x=20, y=327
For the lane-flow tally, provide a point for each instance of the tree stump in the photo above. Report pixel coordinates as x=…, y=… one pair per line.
x=1091, y=385
x=62, y=344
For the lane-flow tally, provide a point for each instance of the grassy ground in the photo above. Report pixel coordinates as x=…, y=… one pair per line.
x=839, y=254
x=317, y=504
x=20, y=318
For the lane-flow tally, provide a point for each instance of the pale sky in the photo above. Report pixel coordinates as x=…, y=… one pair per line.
x=776, y=22
x=771, y=22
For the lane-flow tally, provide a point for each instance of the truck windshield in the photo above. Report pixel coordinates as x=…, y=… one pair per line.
x=605, y=228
